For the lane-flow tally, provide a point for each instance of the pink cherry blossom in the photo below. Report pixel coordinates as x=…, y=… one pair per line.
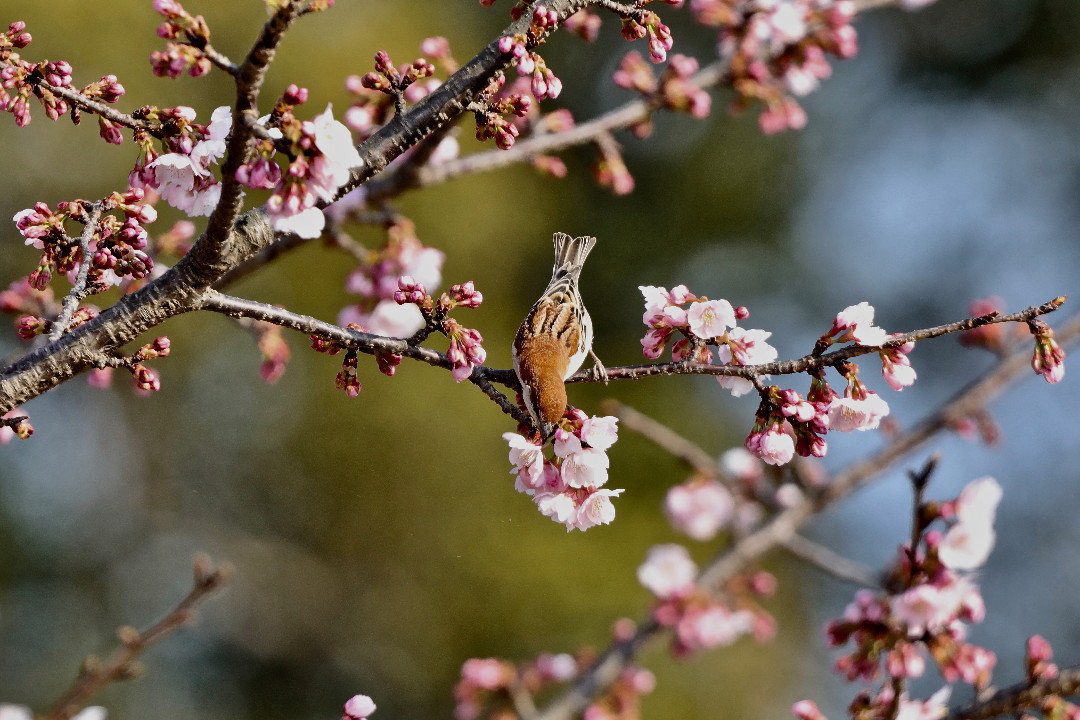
x=978, y=501
x=338, y=155
x=559, y=506
x=600, y=433
x=711, y=318
x=898, y=376
x=485, y=673
x=774, y=446
x=933, y=708
x=184, y=180
x=656, y=299
x=924, y=608
x=858, y=321
x=668, y=571
x=585, y=468
x=699, y=509
x=713, y=626
x=807, y=710
x=528, y=461
x=387, y=318
x=743, y=347
x=968, y=543
x=847, y=414
x=596, y=508
x=742, y=465
x=358, y=707
x=556, y=667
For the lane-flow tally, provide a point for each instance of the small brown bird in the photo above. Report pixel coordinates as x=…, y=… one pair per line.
x=555, y=336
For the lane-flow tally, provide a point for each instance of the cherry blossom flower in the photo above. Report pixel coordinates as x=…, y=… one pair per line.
x=968, y=543
x=595, y=508
x=184, y=180
x=978, y=501
x=668, y=571
x=1048, y=359
x=741, y=464
x=807, y=710
x=857, y=323
x=933, y=708
x=924, y=608
x=568, y=488
x=743, y=347
x=600, y=432
x=847, y=414
x=966, y=546
x=528, y=461
x=699, y=509
x=582, y=467
x=560, y=507
x=774, y=446
x=711, y=318
x=485, y=673
x=712, y=626
x=387, y=318
x=358, y=707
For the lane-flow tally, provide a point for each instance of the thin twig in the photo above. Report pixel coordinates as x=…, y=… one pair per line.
x=369, y=343
x=94, y=674
x=663, y=437
x=831, y=562
x=78, y=290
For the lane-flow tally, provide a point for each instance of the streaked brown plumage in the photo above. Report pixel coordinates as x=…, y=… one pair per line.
x=555, y=336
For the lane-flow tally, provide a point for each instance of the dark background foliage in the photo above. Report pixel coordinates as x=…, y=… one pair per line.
x=379, y=541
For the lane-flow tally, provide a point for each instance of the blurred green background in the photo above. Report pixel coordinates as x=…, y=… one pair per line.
x=379, y=540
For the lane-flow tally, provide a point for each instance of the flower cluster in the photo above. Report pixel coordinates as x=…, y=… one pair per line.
x=322, y=155
x=488, y=686
x=180, y=56
x=544, y=83
x=21, y=79
x=777, y=50
x=1039, y=668
x=648, y=24
x=374, y=98
x=925, y=614
x=393, y=81
x=465, y=351
x=568, y=488
x=502, y=114
x=675, y=89
x=182, y=175
x=703, y=324
x=376, y=281
x=700, y=621
x=489, y=681
x=116, y=248
x=147, y=379
x=786, y=423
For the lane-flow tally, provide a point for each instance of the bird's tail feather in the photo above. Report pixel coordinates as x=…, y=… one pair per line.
x=570, y=254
